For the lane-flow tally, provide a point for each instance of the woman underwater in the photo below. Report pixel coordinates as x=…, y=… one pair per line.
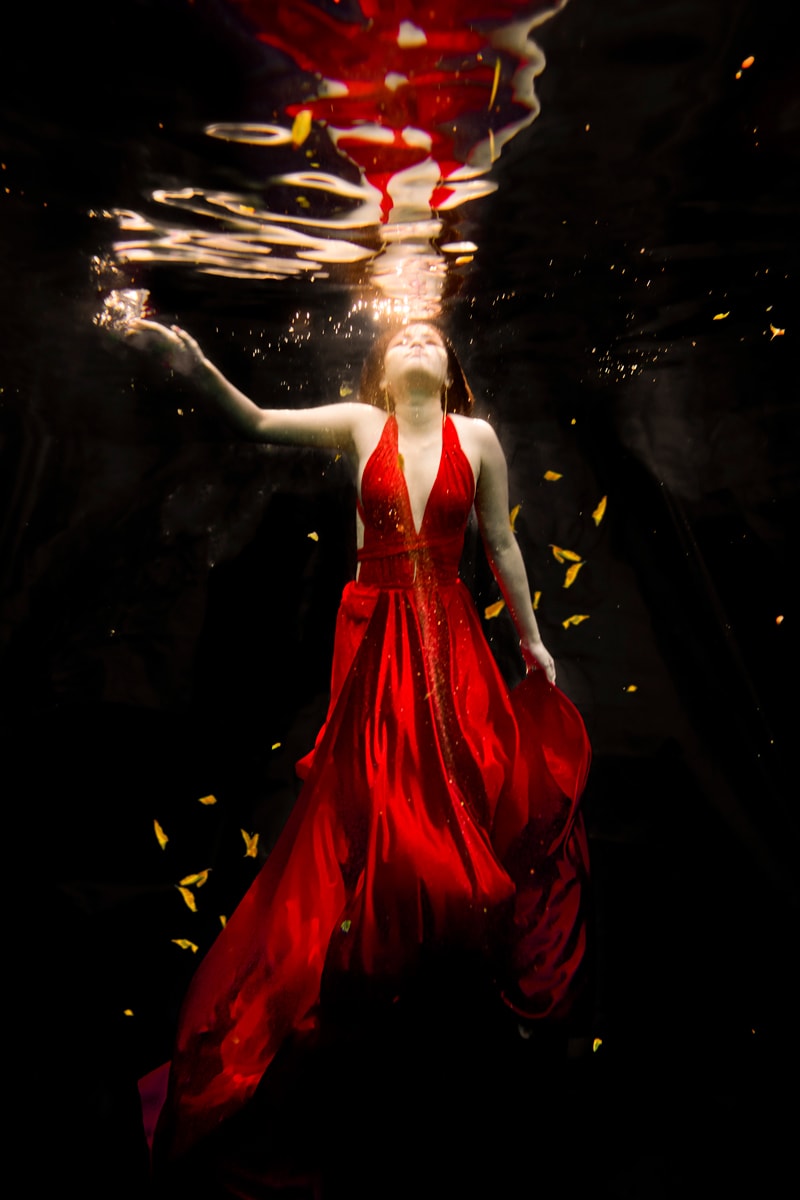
x=438, y=815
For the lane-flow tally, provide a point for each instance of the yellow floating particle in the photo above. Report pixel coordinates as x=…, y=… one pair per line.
x=495, y=82
x=575, y=619
x=537, y=596
x=779, y=620
x=251, y=843
x=738, y=75
x=632, y=687
x=301, y=126
x=776, y=332
x=188, y=897
x=561, y=555
x=748, y=62
x=275, y=746
x=195, y=880
x=345, y=390
x=596, y=1044
x=721, y=316
x=127, y=1012
x=600, y=511
x=185, y=944
x=161, y=836
x=552, y=476
x=223, y=920
x=572, y=574
x=314, y=536
x=303, y=202
x=346, y=926
x=494, y=610
x=207, y=800
x=512, y=517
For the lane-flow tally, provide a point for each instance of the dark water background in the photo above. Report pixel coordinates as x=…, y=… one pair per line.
x=167, y=622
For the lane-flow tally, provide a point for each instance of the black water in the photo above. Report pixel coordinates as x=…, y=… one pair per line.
x=166, y=620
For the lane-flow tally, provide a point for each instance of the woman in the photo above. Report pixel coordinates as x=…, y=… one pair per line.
x=438, y=813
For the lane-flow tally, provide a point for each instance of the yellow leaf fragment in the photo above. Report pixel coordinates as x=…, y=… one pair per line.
x=314, y=536
x=345, y=390
x=600, y=511
x=552, y=476
x=185, y=944
x=596, y=1044
x=160, y=835
x=537, y=596
x=195, y=880
x=776, y=332
x=561, y=555
x=632, y=687
x=495, y=82
x=572, y=574
x=301, y=126
x=207, y=800
x=494, y=610
x=512, y=517
x=251, y=843
x=721, y=316
x=575, y=619
x=223, y=920
x=188, y=897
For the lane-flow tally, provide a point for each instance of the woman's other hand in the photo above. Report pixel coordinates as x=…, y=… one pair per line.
x=538, y=658
x=179, y=350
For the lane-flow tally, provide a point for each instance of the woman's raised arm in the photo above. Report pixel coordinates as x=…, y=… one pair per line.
x=332, y=425
x=503, y=552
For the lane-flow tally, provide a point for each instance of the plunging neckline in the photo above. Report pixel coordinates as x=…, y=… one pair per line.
x=418, y=528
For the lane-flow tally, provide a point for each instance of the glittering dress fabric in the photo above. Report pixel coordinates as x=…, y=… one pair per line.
x=438, y=813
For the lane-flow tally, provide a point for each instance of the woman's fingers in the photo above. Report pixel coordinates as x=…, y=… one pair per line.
x=538, y=658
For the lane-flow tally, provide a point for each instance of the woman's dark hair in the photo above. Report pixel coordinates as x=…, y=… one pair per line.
x=459, y=394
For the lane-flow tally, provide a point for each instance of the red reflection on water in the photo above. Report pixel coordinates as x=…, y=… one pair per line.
x=408, y=67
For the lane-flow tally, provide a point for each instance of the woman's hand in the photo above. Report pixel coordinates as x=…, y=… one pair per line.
x=538, y=658
x=179, y=350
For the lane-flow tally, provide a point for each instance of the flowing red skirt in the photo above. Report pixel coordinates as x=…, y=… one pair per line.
x=438, y=811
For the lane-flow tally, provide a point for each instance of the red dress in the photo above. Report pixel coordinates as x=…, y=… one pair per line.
x=438, y=810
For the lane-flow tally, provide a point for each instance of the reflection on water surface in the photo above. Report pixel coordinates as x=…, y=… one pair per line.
x=399, y=113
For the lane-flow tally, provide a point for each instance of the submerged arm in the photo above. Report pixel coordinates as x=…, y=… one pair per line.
x=503, y=552
x=331, y=425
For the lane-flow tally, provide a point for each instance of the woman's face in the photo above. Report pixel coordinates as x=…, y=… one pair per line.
x=415, y=359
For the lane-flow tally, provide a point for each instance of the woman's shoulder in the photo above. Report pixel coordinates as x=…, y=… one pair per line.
x=475, y=432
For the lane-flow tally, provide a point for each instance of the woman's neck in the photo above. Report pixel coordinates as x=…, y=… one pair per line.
x=419, y=414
